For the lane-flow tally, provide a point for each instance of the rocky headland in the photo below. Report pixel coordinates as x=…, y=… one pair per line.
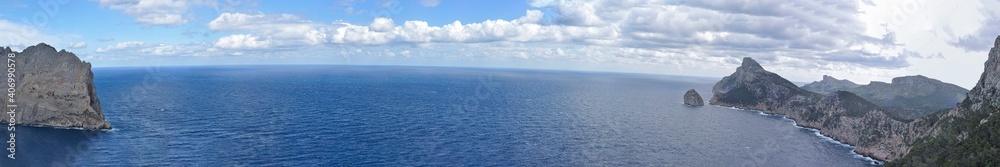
x=840, y=115
x=54, y=89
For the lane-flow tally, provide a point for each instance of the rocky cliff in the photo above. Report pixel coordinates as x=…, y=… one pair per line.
x=841, y=115
x=692, y=98
x=55, y=89
x=968, y=134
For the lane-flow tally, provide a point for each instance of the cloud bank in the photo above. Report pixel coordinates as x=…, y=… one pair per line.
x=821, y=32
x=811, y=35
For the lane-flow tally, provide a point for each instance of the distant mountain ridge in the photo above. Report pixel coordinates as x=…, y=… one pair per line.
x=841, y=115
x=830, y=84
x=907, y=97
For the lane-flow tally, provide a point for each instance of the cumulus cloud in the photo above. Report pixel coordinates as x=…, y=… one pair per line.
x=382, y=25
x=290, y=30
x=803, y=30
x=283, y=29
x=241, y=41
x=77, y=45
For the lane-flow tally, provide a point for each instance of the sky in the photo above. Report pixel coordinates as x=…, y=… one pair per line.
x=863, y=40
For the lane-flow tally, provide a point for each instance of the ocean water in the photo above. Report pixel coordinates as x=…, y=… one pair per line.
x=417, y=116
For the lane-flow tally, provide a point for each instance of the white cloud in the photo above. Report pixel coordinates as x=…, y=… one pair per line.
x=14, y=34
x=834, y=37
x=430, y=3
x=77, y=45
x=171, y=50
x=245, y=21
x=982, y=38
x=531, y=17
x=241, y=41
x=944, y=33
x=807, y=28
x=382, y=25
x=579, y=13
x=283, y=29
x=135, y=49
x=152, y=12
x=121, y=46
x=287, y=30
x=165, y=12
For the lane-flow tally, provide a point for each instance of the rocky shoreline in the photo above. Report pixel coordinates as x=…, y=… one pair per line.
x=840, y=115
x=960, y=136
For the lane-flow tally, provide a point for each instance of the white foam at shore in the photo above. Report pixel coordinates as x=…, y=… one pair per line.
x=816, y=132
x=70, y=128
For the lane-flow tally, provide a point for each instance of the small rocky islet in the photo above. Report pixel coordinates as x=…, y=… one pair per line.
x=692, y=98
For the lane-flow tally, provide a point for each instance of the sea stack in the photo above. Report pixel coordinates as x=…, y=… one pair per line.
x=692, y=98
x=54, y=89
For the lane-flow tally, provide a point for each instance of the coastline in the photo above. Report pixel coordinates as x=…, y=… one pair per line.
x=67, y=128
x=818, y=133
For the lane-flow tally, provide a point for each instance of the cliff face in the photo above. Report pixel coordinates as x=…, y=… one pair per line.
x=968, y=134
x=989, y=81
x=54, y=89
x=841, y=115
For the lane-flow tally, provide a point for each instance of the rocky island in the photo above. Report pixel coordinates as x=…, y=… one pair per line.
x=692, y=98
x=54, y=89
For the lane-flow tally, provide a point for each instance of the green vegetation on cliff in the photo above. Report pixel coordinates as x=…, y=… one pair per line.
x=969, y=134
x=973, y=140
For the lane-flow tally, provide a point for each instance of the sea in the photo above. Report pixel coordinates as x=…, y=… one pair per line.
x=344, y=115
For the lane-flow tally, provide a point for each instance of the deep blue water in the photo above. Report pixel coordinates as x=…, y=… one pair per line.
x=417, y=116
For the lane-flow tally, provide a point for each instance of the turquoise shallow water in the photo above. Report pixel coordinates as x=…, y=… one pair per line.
x=415, y=116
